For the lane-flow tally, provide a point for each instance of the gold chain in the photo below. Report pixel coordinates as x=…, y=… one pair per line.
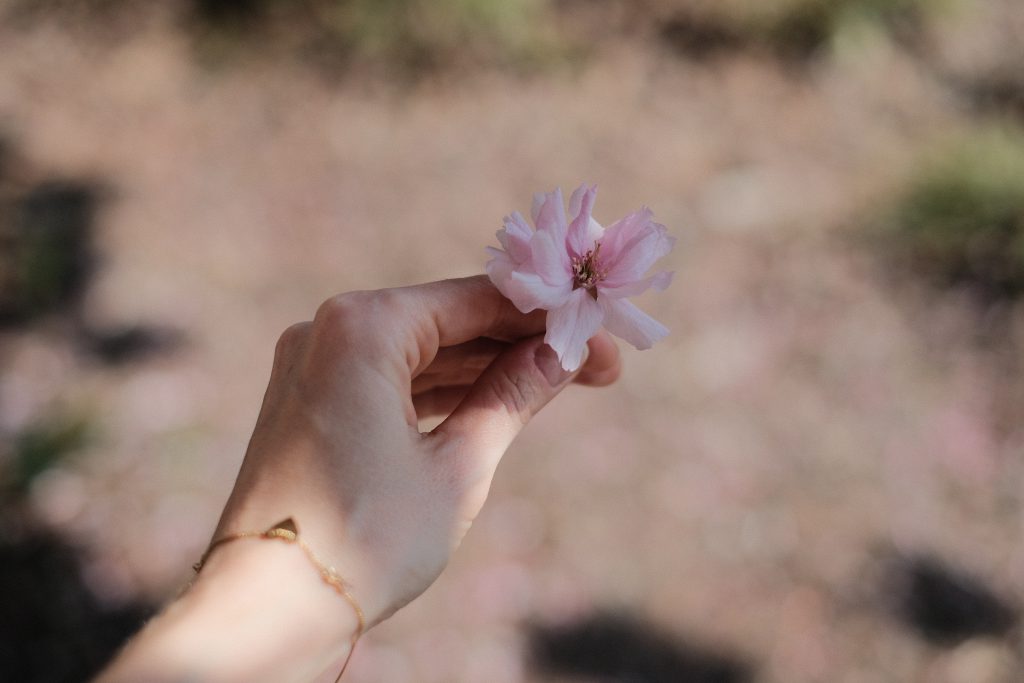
x=288, y=532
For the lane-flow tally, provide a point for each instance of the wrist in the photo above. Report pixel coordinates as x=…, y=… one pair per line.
x=258, y=611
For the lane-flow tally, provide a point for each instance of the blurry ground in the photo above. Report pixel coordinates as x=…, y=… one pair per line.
x=768, y=487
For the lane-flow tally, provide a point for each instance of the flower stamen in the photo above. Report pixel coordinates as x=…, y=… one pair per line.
x=586, y=270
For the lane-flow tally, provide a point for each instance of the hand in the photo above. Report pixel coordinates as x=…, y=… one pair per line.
x=337, y=448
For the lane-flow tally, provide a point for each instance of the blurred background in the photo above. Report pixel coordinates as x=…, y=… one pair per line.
x=819, y=476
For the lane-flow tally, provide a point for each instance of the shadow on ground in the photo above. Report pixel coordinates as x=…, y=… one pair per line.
x=942, y=604
x=52, y=627
x=621, y=647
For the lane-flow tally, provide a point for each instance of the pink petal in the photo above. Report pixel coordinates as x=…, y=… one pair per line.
x=659, y=281
x=538, y=201
x=578, y=238
x=637, y=256
x=625, y=320
x=499, y=270
x=576, y=200
x=549, y=259
x=621, y=232
x=571, y=325
x=528, y=291
x=515, y=237
x=549, y=214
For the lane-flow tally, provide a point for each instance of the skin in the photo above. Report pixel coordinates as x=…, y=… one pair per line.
x=337, y=448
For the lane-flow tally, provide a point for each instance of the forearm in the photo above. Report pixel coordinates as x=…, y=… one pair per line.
x=259, y=612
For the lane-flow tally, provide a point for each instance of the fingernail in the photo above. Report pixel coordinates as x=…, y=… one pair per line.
x=547, y=362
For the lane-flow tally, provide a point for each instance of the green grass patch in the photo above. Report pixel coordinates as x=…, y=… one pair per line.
x=411, y=36
x=41, y=446
x=800, y=28
x=960, y=220
x=46, y=251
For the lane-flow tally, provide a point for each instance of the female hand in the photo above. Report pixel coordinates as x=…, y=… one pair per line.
x=336, y=446
x=337, y=449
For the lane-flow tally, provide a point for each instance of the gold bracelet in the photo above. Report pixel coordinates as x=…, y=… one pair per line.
x=288, y=532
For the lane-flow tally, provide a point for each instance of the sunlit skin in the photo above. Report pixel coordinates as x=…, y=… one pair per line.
x=337, y=448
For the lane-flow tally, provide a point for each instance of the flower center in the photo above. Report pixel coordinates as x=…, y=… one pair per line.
x=586, y=270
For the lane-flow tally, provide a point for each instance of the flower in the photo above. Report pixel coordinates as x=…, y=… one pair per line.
x=581, y=273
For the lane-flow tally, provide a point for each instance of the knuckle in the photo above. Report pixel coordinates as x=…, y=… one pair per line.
x=387, y=301
x=358, y=312
x=291, y=339
x=362, y=320
x=293, y=335
x=339, y=307
x=515, y=392
x=340, y=313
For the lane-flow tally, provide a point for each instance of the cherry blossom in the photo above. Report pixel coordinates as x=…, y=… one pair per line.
x=581, y=273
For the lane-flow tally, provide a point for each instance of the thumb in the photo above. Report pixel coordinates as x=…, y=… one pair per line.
x=513, y=388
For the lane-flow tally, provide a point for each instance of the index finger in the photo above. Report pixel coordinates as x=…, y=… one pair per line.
x=450, y=312
x=462, y=309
